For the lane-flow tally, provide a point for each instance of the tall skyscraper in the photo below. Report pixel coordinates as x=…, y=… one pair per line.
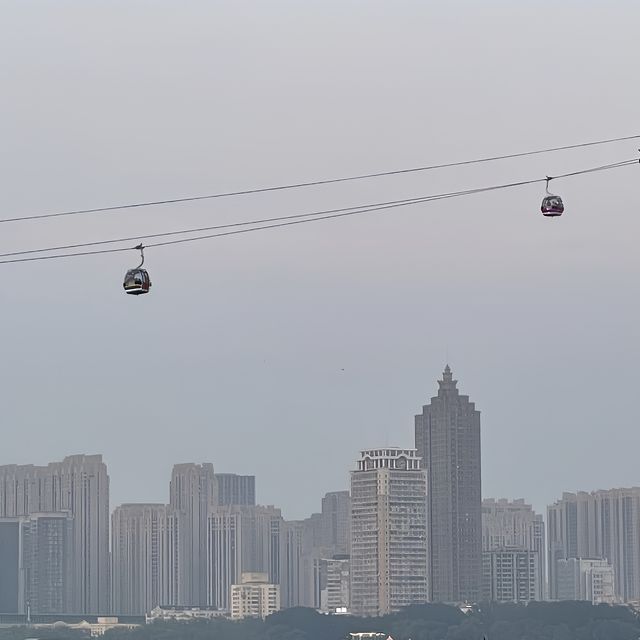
x=192, y=495
x=448, y=441
x=388, y=532
x=139, y=558
x=513, y=527
x=235, y=489
x=602, y=525
x=79, y=485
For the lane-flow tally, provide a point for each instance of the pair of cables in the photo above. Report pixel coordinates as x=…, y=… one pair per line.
x=174, y=237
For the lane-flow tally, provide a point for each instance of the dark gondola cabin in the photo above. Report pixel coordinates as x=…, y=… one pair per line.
x=552, y=206
x=136, y=282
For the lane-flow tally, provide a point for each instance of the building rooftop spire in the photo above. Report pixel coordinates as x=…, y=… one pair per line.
x=447, y=381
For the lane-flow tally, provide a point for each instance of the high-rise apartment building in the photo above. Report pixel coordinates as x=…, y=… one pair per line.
x=48, y=560
x=241, y=539
x=254, y=597
x=603, y=525
x=36, y=557
x=336, y=522
x=510, y=575
x=225, y=537
x=586, y=579
x=388, y=532
x=140, y=538
x=448, y=442
x=235, y=489
x=192, y=494
x=562, y=538
x=78, y=485
x=296, y=565
x=512, y=527
x=171, y=589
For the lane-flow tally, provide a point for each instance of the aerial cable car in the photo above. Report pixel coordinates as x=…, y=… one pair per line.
x=137, y=281
x=552, y=205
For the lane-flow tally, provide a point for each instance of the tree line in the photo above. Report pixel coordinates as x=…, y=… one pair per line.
x=536, y=621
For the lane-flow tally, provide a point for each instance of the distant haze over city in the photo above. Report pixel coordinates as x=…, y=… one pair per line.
x=282, y=354
x=319, y=319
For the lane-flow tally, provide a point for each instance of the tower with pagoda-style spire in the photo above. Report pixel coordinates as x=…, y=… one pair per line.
x=448, y=441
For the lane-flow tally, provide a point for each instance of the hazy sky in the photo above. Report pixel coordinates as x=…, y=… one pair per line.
x=237, y=355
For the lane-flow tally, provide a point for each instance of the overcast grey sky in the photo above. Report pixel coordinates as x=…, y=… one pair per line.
x=236, y=356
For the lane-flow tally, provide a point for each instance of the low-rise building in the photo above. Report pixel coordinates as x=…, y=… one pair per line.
x=164, y=613
x=589, y=579
x=331, y=582
x=254, y=597
x=98, y=628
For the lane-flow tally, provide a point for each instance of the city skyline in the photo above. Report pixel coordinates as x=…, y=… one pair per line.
x=241, y=483
x=383, y=544
x=513, y=540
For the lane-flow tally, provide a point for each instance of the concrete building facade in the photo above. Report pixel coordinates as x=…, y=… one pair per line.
x=586, y=579
x=447, y=436
x=48, y=561
x=336, y=522
x=192, y=494
x=388, y=532
x=296, y=564
x=510, y=575
x=234, y=489
x=139, y=558
x=36, y=564
x=332, y=584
